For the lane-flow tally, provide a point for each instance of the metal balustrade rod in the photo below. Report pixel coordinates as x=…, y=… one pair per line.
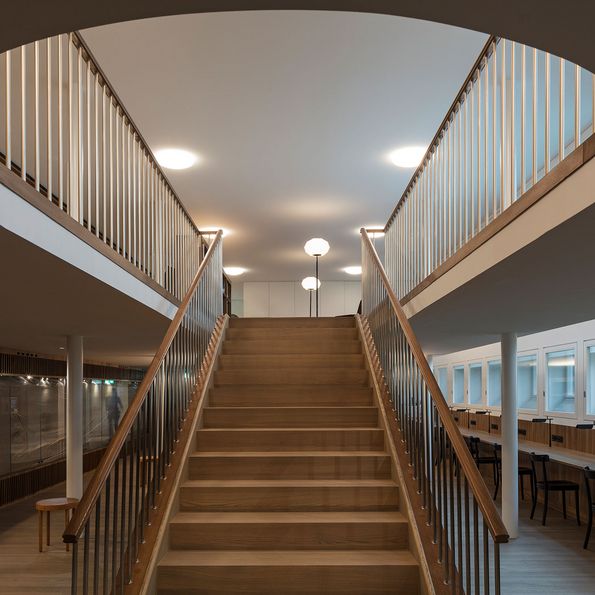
x=8, y=108
x=24, y=113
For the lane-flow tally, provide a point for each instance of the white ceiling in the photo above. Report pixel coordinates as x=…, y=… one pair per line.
x=293, y=114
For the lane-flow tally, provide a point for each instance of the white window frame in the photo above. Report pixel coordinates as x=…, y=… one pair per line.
x=585, y=414
x=482, y=402
x=465, y=402
x=487, y=400
x=539, y=411
x=577, y=375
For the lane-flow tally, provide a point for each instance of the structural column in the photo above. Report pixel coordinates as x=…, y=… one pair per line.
x=74, y=417
x=510, y=438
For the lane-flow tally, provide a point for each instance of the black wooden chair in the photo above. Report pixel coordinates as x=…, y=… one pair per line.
x=551, y=485
x=523, y=472
x=589, y=476
x=480, y=459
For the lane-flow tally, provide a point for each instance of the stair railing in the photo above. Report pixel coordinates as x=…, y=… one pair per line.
x=465, y=523
x=110, y=522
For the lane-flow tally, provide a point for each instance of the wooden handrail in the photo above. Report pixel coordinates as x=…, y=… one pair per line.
x=85, y=507
x=451, y=110
x=478, y=487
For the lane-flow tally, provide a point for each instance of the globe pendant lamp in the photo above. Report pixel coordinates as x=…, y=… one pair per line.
x=316, y=247
x=310, y=284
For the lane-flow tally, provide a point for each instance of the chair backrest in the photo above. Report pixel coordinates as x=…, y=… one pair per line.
x=474, y=446
x=543, y=459
x=497, y=451
x=589, y=476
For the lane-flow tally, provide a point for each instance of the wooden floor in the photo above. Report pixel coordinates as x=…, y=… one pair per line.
x=544, y=560
x=22, y=568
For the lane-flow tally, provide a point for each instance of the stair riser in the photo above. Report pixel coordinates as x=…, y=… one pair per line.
x=323, y=322
x=332, y=376
x=290, y=467
x=299, y=346
x=284, y=440
x=292, y=499
x=271, y=417
x=307, y=334
x=320, y=396
x=345, y=579
x=289, y=536
x=230, y=362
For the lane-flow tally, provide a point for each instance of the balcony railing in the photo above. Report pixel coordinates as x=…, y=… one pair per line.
x=520, y=112
x=64, y=131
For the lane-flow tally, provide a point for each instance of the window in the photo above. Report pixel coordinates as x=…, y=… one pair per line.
x=590, y=380
x=442, y=379
x=458, y=384
x=494, y=383
x=560, y=381
x=475, y=384
x=526, y=382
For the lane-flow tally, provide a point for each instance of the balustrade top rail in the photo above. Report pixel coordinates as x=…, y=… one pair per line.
x=65, y=132
x=519, y=113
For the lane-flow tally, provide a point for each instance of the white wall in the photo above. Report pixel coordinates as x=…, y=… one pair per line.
x=288, y=298
x=577, y=336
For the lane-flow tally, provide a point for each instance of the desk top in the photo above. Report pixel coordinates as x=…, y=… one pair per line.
x=573, y=458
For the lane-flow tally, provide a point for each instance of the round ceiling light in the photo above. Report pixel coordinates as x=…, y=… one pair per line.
x=354, y=270
x=316, y=247
x=310, y=283
x=234, y=271
x=407, y=156
x=175, y=158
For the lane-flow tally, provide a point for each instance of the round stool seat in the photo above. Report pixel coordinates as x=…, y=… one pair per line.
x=50, y=504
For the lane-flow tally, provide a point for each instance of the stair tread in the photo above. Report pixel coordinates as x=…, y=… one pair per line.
x=289, y=453
x=291, y=407
x=288, y=558
x=320, y=429
x=289, y=483
x=391, y=516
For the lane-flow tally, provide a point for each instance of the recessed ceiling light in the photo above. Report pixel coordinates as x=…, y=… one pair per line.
x=234, y=271
x=407, y=156
x=176, y=158
x=354, y=270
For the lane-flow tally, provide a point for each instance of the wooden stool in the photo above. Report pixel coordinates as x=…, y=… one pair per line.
x=48, y=505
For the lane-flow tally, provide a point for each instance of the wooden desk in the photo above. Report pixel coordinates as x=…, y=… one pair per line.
x=49, y=505
x=572, y=458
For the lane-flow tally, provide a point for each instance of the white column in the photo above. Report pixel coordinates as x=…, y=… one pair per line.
x=510, y=438
x=74, y=417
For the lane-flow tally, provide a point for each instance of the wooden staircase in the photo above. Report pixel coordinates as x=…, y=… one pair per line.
x=290, y=489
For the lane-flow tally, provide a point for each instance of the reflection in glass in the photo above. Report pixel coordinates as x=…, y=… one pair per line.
x=527, y=382
x=560, y=381
x=494, y=383
x=458, y=384
x=590, y=373
x=33, y=417
x=475, y=384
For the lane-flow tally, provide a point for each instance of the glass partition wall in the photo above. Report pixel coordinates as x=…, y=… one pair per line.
x=33, y=417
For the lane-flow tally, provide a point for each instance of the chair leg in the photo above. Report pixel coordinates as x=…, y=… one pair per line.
x=576, y=503
x=48, y=523
x=40, y=529
x=532, y=487
x=522, y=478
x=564, y=503
x=497, y=481
x=589, y=526
x=534, y=497
x=545, y=503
